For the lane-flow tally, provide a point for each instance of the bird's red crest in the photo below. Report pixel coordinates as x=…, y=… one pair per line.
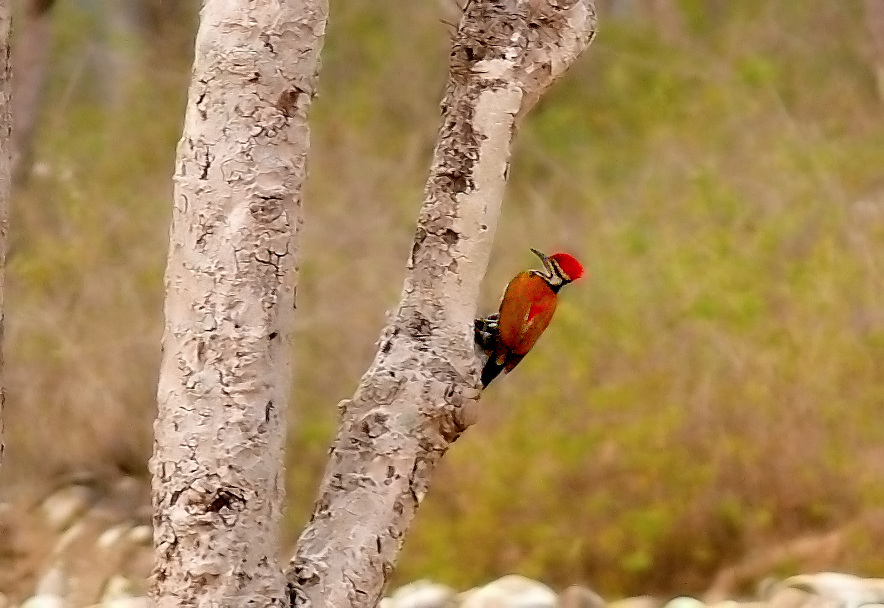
x=569, y=265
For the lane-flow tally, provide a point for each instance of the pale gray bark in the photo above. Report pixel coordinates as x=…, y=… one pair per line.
x=31, y=59
x=421, y=391
x=115, y=51
x=119, y=52
x=5, y=177
x=230, y=280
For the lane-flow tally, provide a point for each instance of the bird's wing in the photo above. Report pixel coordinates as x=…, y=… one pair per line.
x=539, y=317
x=526, y=309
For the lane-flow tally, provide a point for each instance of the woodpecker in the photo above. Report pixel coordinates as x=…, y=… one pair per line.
x=526, y=308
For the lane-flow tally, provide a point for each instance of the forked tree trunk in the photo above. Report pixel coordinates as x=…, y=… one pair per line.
x=5, y=178
x=421, y=391
x=230, y=280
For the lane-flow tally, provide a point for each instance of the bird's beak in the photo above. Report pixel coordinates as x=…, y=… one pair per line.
x=543, y=258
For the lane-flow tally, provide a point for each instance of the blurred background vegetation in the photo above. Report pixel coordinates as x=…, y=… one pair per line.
x=715, y=388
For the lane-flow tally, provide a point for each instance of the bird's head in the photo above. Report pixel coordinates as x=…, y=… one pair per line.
x=561, y=268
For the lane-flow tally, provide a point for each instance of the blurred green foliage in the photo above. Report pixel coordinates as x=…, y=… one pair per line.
x=714, y=387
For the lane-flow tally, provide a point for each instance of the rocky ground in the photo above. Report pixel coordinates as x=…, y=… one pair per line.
x=87, y=542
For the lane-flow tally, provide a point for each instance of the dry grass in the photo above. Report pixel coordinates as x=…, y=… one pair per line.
x=714, y=388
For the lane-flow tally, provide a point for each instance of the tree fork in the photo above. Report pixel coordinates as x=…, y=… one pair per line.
x=422, y=389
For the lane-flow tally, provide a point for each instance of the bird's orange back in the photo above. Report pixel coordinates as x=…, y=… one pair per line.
x=525, y=311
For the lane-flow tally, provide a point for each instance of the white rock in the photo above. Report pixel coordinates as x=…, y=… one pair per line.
x=735, y=604
x=876, y=585
x=577, y=596
x=54, y=582
x=511, y=591
x=422, y=594
x=118, y=587
x=140, y=535
x=45, y=600
x=684, y=602
x=640, y=601
x=789, y=597
x=846, y=589
x=126, y=602
x=767, y=588
x=112, y=536
x=66, y=538
x=822, y=583
x=63, y=507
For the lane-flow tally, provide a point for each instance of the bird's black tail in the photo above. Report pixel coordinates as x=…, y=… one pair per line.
x=491, y=370
x=487, y=336
x=487, y=333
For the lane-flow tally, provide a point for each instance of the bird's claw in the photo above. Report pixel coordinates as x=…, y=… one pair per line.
x=487, y=330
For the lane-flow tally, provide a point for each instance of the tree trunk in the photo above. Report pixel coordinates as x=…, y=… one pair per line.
x=874, y=17
x=421, y=391
x=5, y=177
x=119, y=54
x=230, y=280
x=31, y=59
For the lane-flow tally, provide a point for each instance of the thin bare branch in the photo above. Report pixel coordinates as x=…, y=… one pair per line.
x=5, y=177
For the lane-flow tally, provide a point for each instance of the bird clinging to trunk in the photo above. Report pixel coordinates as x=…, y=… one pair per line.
x=525, y=310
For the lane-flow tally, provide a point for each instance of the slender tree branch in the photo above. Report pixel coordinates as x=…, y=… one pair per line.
x=5, y=178
x=422, y=389
x=31, y=58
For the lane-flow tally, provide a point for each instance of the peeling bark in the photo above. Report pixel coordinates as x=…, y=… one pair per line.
x=422, y=389
x=5, y=178
x=230, y=281
x=31, y=59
